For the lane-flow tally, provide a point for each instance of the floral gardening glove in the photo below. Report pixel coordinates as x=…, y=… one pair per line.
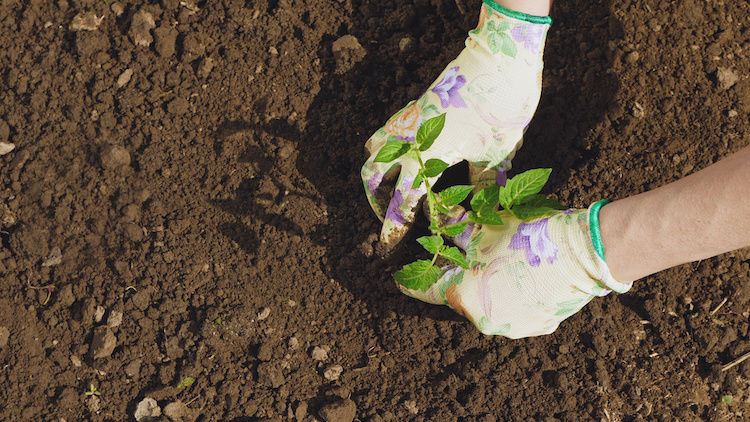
x=488, y=94
x=526, y=277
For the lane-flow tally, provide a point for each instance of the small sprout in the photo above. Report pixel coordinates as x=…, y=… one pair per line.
x=50, y=288
x=93, y=391
x=727, y=399
x=186, y=382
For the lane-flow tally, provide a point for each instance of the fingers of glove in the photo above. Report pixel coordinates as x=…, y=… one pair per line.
x=378, y=180
x=436, y=294
x=402, y=208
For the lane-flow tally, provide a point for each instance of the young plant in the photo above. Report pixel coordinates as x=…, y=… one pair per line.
x=519, y=198
x=93, y=391
x=186, y=382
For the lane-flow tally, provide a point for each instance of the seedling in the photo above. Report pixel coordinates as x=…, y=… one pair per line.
x=186, y=382
x=519, y=198
x=727, y=399
x=50, y=288
x=93, y=391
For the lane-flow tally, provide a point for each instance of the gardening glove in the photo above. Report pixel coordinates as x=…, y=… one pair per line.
x=488, y=94
x=526, y=277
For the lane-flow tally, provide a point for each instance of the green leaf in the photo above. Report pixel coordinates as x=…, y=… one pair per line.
x=455, y=194
x=419, y=275
x=491, y=25
x=490, y=217
x=485, y=199
x=502, y=26
x=508, y=45
x=455, y=256
x=391, y=151
x=429, y=131
x=495, y=42
x=525, y=184
x=418, y=180
x=431, y=243
x=434, y=167
x=455, y=230
x=525, y=212
x=539, y=200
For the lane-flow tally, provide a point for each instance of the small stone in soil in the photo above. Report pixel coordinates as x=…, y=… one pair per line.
x=6, y=147
x=124, y=78
x=264, y=314
x=54, y=258
x=319, y=353
x=340, y=411
x=115, y=156
x=140, y=28
x=301, y=411
x=333, y=372
x=133, y=369
x=99, y=313
x=726, y=77
x=76, y=361
x=205, y=67
x=148, y=410
x=104, y=342
x=86, y=21
x=114, y=319
x=4, y=336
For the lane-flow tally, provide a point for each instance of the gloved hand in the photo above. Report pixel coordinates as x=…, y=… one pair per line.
x=488, y=93
x=526, y=277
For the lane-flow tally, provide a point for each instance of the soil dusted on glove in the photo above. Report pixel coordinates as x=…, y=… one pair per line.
x=197, y=165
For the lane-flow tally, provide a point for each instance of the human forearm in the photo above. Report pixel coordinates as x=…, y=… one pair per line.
x=531, y=7
x=697, y=217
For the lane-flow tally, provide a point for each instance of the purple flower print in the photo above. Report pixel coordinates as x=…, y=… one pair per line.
x=534, y=239
x=447, y=89
x=395, y=213
x=530, y=35
x=374, y=182
x=400, y=202
x=501, y=177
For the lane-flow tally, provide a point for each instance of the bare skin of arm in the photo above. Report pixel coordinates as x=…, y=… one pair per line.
x=697, y=217
x=531, y=7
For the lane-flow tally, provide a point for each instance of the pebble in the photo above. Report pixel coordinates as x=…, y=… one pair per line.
x=333, y=372
x=86, y=21
x=76, y=361
x=632, y=57
x=147, y=410
x=133, y=369
x=293, y=343
x=319, y=353
x=4, y=336
x=99, y=313
x=340, y=411
x=726, y=77
x=6, y=147
x=205, y=67
x=117, y=8
x=264, y=314
x=124, y=78
x=301, y=411
x=115, y=319
x=140, y=28
x=104, y=342
x=54, y=258
x=115, y=156
x=407, y=45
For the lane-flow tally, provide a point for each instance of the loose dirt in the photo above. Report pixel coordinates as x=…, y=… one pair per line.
x=196, y=166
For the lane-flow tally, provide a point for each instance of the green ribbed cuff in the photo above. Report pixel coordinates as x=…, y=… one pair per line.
x=546, y=20
x=596, y=234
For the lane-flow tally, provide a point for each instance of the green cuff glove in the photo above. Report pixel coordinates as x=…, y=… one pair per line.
x=527, y=276
x=489, y=94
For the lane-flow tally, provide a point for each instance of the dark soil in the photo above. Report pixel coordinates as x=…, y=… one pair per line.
x=214, y=202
